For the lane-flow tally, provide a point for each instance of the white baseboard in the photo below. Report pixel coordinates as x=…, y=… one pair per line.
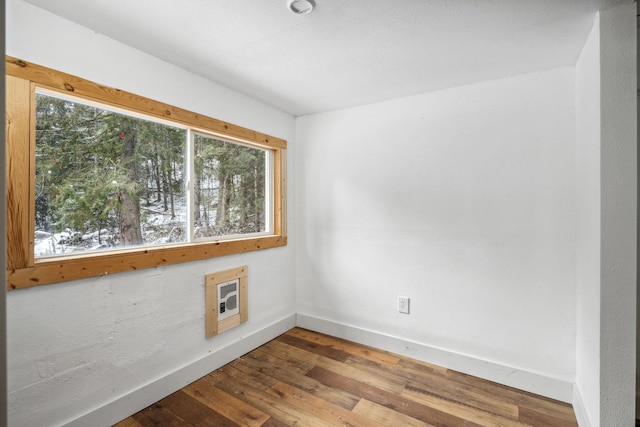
x=146, y=395
x=579, y=408
x=132, y=402
x=553, y=388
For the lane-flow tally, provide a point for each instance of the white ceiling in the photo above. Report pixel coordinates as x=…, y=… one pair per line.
x=347, y=52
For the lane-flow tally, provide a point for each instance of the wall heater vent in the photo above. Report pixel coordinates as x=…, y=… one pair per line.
x=228, y=299
x=225, y=300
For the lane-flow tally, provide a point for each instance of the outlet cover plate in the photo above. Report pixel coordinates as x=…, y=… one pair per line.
x=403, y=305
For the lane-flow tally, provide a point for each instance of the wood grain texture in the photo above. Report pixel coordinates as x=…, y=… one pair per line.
x=72, y=268
x=212, y=325
x=225, y=404
x=77, y=86
x=18, y=172
x=280, y=192
x=22, y=269
x=305, y=378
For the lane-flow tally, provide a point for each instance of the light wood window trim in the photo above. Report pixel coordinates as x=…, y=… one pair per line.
x=22, y=269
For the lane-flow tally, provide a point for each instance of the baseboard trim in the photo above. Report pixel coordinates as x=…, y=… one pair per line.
x=579, y=408
x=146, y=395
x=553, y=388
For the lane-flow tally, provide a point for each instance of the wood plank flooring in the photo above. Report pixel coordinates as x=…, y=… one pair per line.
x=304, y=378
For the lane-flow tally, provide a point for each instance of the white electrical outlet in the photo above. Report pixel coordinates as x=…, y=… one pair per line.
x=403, y=305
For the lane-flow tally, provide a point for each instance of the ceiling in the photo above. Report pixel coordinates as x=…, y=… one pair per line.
x=347, y=52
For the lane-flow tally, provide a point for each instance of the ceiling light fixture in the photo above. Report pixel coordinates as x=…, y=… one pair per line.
x=301, y=7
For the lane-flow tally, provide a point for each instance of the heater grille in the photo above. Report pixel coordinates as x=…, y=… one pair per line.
x=228, y=299
x=225, y=300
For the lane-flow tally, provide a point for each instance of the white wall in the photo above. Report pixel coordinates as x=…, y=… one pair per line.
x=74, y=347
x=618, y=165
x=587, y=397
x=462, y=200
x=465, y=200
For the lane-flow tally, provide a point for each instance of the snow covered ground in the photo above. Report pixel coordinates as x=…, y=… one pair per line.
x=158, y=228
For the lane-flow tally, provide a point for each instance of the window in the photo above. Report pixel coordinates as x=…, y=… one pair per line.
x=105, y=180
x=101, y=181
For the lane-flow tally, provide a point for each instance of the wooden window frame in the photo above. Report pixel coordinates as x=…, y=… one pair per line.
x=23, y=270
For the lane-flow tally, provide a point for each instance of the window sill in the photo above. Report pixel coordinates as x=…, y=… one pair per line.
x=79, y=267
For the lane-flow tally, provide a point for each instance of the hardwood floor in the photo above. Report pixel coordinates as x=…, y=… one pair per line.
x=304, y=378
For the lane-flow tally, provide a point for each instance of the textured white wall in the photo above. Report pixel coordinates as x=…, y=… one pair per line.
x=462, y=200
x=76, y=346
x=588, y=226
x=465, y=200
x=618, y=162
x=606, y=221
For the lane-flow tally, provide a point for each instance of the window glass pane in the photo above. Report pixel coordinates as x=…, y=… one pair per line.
x=229, y=188
x=105, y=180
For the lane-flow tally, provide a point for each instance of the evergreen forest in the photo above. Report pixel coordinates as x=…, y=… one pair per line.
x=106, y=180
